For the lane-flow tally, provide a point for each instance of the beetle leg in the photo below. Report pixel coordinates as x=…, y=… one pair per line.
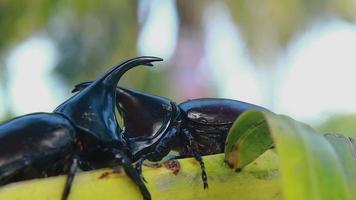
x=192, y=146
x=161, y=150
x=132, y=173
x=71, y=173
x=138, y=167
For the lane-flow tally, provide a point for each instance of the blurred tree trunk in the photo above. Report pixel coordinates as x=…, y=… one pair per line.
x=187, y=62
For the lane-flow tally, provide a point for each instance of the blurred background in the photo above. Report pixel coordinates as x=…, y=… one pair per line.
x=294, y=57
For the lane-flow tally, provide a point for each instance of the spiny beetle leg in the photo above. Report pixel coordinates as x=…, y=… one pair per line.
x=197, y=156
x=132, y=173
x=160, y=151
x=71, y=173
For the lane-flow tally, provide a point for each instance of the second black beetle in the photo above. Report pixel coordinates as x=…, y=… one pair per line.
x=155, y=125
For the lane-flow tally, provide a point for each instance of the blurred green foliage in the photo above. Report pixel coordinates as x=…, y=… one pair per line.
x=342, y=124
x=88, y=34
x=269, y=26
x=92, y=35
x=97, y=33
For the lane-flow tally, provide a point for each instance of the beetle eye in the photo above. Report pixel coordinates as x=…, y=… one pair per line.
x=167, y=107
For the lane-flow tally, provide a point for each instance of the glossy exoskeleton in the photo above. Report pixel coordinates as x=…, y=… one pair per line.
x=155, y=125
x=82, y=132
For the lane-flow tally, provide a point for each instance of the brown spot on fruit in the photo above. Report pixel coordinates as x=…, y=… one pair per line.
x=104, y=175
x=172, y=165
x=234, y=147
x=153, y=165
x=229, y=164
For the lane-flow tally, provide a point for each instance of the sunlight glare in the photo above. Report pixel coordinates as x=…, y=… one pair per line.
x=321, y=76
x=29, y=67
x=159, y=33
x=226, y=57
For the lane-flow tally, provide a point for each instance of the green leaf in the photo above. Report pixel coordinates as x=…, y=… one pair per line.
x=249, y=140
x=346, y=152
x=340, y=123
x=312, y=166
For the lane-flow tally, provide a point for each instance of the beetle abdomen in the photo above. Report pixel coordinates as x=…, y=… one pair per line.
x=210, y=139
x=215, y=111
x=209, y=121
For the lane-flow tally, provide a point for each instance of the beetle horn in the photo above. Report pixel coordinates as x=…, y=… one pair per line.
x=81, y=86
x=93, y=108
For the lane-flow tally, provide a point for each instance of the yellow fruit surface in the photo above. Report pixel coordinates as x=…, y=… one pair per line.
x=180, y=179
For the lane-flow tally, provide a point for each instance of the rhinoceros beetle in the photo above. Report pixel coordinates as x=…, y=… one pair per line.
x=82, y=132
x=155, y=125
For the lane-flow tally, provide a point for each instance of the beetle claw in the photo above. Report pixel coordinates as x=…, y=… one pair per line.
x=143, y=178
x=205, y=180
x=132, y=173
x=138, y=167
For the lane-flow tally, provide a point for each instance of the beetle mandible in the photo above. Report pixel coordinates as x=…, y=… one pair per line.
x=155, y=125
x=82, y=132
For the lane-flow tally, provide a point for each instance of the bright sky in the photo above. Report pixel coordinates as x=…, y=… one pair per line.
x=31, y=84
x=159, y=34
x=318, y=77
x=226, y=57
x=318, y=73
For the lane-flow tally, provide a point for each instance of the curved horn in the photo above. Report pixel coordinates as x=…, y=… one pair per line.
x=81, y=86
x=93, y=108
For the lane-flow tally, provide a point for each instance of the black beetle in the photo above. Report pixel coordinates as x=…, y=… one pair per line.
x=82, y=132
x=155, y=125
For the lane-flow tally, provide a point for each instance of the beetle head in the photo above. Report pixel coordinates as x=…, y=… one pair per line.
x=143, y=115
x=93, y=108
x=146, y=117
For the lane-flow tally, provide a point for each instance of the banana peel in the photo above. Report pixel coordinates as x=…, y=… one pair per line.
x=177, y=179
